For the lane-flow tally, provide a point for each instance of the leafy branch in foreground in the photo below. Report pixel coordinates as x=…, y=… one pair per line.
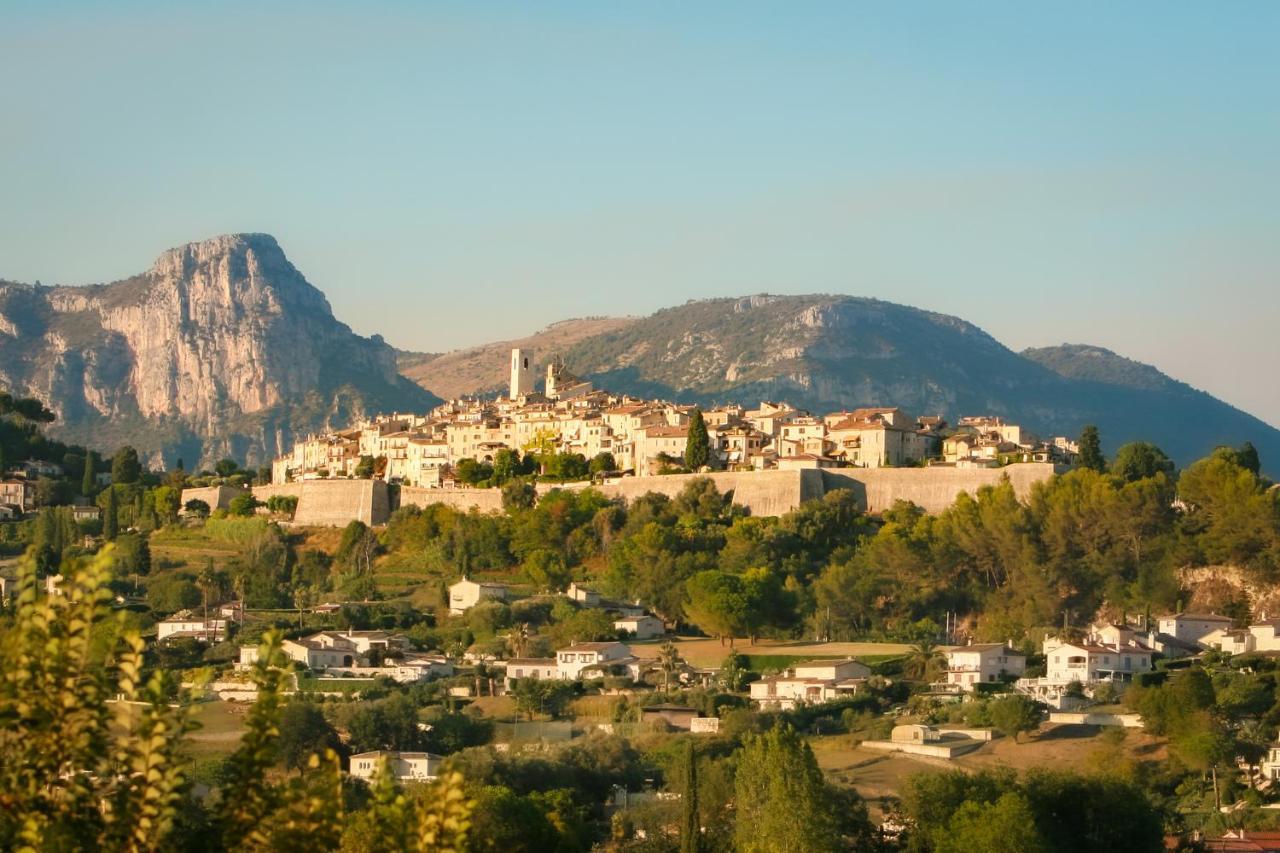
x=92, y=745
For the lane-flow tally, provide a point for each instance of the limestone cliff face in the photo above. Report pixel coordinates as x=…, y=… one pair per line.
x=221, y=347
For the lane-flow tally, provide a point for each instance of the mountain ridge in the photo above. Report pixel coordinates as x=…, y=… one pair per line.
x=830, y=351
x=222, y=347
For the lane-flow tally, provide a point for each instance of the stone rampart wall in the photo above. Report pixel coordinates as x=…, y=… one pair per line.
x=484, y=500
x=932, y=489
x=334, y=503
x=217, y=497
x=763, y=493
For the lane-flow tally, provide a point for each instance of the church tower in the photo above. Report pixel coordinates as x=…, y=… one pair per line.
x=521, y=373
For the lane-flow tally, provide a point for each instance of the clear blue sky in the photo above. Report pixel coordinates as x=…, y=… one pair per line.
x=453, y=173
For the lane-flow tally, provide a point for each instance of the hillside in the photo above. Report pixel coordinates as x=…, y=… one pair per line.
x=221, y=348
x=483, y=369
x=829, y=352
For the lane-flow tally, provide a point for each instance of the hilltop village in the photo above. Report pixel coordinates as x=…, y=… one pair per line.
x=612, y=436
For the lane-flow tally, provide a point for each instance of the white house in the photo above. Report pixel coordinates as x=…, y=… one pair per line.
x=1233, y=641
x=213, y=630
x=570, y=662
x=583, y=595
x=1271, y=764
x=1088, y=663
x=541, y=668
x=1190, y=627
x=340, y=648
x=1266, y=635
x=641, y=627
x=982, y=663
x=810, y=682
x=467, y=593
x=404, y=766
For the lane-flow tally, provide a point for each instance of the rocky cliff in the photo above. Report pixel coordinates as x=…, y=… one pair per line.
x=221, y=348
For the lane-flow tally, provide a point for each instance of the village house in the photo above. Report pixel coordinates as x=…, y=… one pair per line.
x=19, y=494
x=641, y=627
x=596, y=658
x=467, y=593
x=1231, y=641
x=403, y=766
x=1266, y=635
x=335, y=649
x=982, y=663
x=1191, y=627
x=539, y=668
x=810, y=682
x=184, y=625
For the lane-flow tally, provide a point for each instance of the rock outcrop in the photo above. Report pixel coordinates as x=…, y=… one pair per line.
x=221, y=348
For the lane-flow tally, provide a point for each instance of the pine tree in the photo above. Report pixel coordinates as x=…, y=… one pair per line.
x=697, y=449
x=111, y=516
x=90, y=481
x=1091, y=449
x=691, y=823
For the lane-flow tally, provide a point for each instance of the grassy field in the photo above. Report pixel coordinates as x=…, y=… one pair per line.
x=188, y=548
x=700, y=651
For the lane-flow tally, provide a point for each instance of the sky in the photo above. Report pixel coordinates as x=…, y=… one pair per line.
x=455, y=173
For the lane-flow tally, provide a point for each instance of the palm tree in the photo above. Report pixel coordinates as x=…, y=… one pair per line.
x=207, y=581
x=923, y=660
x=519, y=639
x=670, y=662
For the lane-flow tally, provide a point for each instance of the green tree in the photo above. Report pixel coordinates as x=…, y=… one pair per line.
x=125, y=467
x=1007, y=824
x=89, y=482
x=697, y=449
x=781, y=799
x=669, y=663
x=518, y=495
x=602, y=463
x=244, y=505
x=304, y=732
x=364, y=468
x=169, y=593
x=1091, y=449
x=196, y=507
x=691, y=821
x=717, y=603
x=542, y=696
x=225, y=467
x=1140, y=460
x=111, y=516
x=923, y=660
x=547, y=570
x=1014, y=714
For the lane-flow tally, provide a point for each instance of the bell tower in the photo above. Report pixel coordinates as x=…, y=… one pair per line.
x=521, y=373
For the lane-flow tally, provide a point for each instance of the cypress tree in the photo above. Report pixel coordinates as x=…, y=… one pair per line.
x=1091, y=449
x=90, y=481
x=111, y=516
x=690, y=824
x=697, y=449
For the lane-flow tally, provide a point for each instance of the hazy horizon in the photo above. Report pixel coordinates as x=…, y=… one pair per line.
x=454, y=175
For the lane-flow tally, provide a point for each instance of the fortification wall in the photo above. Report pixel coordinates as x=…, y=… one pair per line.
x=933, y=489
x=763, y=493
x=484, y=500
x=263, y=493
x=217, y=497
x=334, y=503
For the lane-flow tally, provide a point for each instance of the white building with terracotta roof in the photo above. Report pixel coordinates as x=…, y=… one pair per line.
x=982, y=663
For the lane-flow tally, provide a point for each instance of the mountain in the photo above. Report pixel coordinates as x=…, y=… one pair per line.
x=221, y=348
x=826, y=353
x=483, y=369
